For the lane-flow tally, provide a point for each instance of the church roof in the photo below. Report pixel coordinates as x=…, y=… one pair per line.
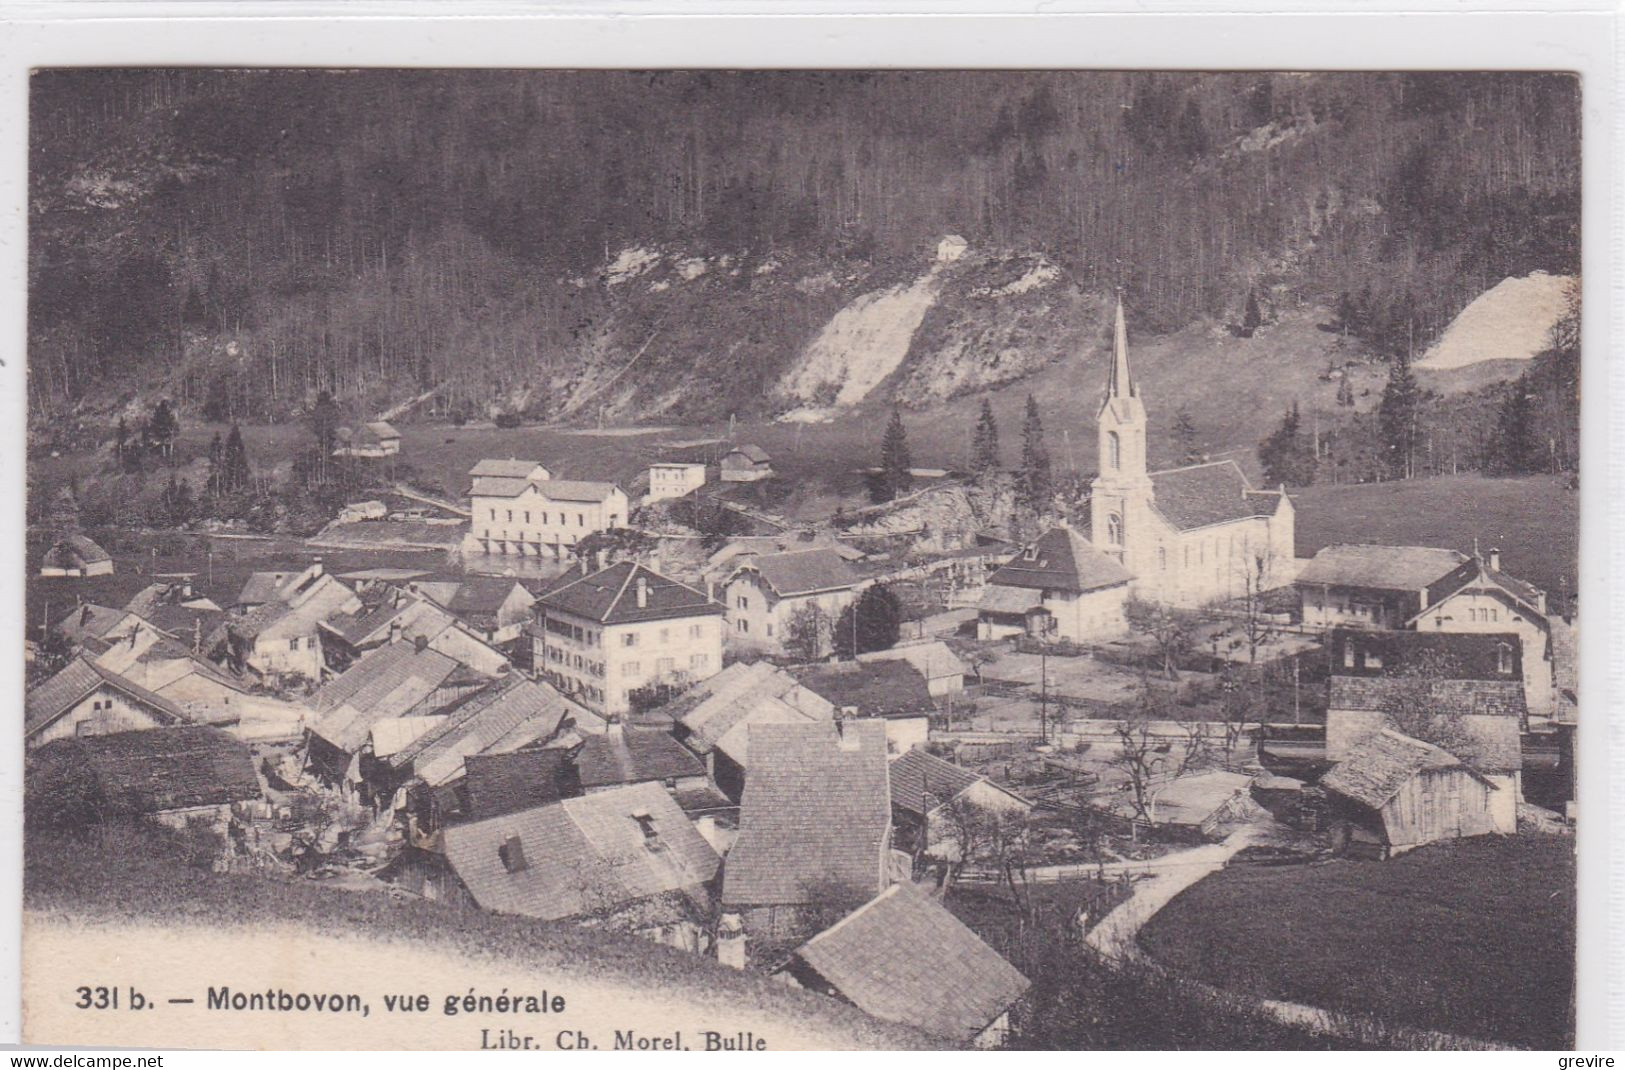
x=1061, y=560
x=1213, y=493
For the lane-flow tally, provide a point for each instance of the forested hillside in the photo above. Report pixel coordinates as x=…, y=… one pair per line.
x=697, y=244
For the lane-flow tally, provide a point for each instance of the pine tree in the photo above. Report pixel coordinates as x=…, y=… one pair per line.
x=162, y=429
x=873, y=622
x=895, y=460
x=1251, y=317
x=235, y=472
x=1514, y=448
x=1397, y=417
x=217, y=453
x=1345, y=392
x=1287, y=455
x=324, y=429
x=985, y=443
x=1037, y=487
x=1190, y=451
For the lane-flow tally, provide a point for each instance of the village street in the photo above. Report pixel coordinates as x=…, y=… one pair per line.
x=1166, y=877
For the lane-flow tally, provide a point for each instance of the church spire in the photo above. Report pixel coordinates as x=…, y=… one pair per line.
x=1120, y=383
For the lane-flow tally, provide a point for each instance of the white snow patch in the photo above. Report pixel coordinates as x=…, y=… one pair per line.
x=692, y=268
x=1510, y=321
x=808, y=415
x=768, y=266
x=1040, y=275
x=632, y=262
x=657, y=287
x=864, y=342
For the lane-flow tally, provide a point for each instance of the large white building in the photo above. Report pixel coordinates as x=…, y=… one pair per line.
x=1188, y=535
x=517, y=508
x=600, y=637
x=673, y=479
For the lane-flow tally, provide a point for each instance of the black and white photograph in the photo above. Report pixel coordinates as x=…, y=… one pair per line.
x=725, y=559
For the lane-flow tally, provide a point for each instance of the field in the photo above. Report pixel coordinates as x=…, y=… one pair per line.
x=1533, y=520
x=1475, y=938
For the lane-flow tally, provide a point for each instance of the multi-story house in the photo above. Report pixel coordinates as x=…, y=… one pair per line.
x=516, y=508
x=673, y=479
x=602, y=636
x=767, y=592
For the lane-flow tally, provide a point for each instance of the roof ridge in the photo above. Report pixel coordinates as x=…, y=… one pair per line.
x=1204, y=464
x=613, y=602
x=890, y=890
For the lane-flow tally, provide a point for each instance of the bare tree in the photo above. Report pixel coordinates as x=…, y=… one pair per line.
x=807, y=632
x=1240, y=706
x=1139, y=757
x=1172, y=629
x=1256, y=624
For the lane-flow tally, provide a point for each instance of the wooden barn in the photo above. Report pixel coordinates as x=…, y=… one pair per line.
x=1397, y=793
x=74, y=556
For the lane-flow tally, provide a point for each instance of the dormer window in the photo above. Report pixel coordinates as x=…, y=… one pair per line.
x=1030, y=554
x=512, y=854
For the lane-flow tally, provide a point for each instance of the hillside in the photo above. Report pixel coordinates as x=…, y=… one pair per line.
x=686, y=247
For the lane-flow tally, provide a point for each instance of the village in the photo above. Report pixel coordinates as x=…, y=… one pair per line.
x=796, y=746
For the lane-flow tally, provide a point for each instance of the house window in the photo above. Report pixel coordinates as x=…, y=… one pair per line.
x=293, y=644
x=510, y=515
x=1495, y=615
x=744, y=625
x=665, y=666
x=629, y=639
x=742, y=602
x=1373, y=660
x=493, y=514
x=544, y=518
x=631, y=668
x=512, y=854
x=1348, y=655
x=696, y=662
x=693, y=631
x=770, y=628
x=1114, y=529
x=1114, y=450
x=527, y=516
x=581, y=520
x=1503, y=658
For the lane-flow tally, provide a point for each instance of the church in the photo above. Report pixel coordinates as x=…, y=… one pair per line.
x=1180, y=536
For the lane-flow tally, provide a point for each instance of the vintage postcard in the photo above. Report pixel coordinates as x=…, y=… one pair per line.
x=761, y=559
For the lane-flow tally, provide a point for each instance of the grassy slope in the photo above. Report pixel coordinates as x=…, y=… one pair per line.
x=98, y=881
x=1533, y=520
x=1473, y=938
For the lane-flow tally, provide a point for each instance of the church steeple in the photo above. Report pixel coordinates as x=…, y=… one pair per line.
x=1119, y=382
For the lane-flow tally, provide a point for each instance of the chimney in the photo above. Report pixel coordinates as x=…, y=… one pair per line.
x=731, y=941
x=421, y=643
x=643, y=593
x=395, y=631
x=603, y=558
x=316, y=567
x=1495, y=558
x=512, y=854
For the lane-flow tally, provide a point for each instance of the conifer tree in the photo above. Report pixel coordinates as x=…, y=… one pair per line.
x=1397, y=418
x=1037, y=487
x=985, y=444
x=1287, y=455
x=1190, y=452
x=235, y=473
x=217, y=453
x=895, y=460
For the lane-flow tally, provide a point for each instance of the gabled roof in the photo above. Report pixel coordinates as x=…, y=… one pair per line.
x=512, y=468
x=91, y=621
x=1477, y=577
x=1437, y=655
x=1212, y=493
x=919, y=774
x=815, y=814
x=500, y=784
x=752, y=452
x=387, y=682
x=577, y=490
x=903, y=957
x=800, y=572
x=77, y=681
x=263, y=587
x=1382, y=764
x=478, y=598
x=718, y=711
x=251, y=624
x=634, y=756
x=481, y=722
x=381, y=429
x=586, y=856
x=499, y=486
x=1061, y=560
x=1385, y=568
x=153, y=771
x=610, y=596
x=76, y=546
x=876, y=688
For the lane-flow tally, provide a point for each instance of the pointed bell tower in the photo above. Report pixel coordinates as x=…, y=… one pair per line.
x=1121, y=493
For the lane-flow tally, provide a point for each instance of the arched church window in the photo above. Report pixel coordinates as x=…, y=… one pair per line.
x=1114, y=450
x=1162, y=558
x=1114, y=529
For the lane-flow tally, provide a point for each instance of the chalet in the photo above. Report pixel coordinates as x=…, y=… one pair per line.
x=623, y=755
x=517, y=508
x=673, y=479
x=746, y=464
x=205, y=691
x=814, y=826
x=902, y=957
x=933, y=800
x=626, y=860
x=1058, y=586
x=1466, y=688
x=172, y=775
x=893, y=691
x=176, y=607
x=496, y=608
x=714, y=717
x=1396, y=793
x=281, y=637
x=84, y=699
x=1364, y=586
x=74, y=556
x=600, y=637
x=93, y=627
x=374, y=439
x=767, y=592
x=933, y=659
x=398, y=680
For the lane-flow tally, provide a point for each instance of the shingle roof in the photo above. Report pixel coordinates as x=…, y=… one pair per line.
x=920, y=773
x=499, y=486
x=609, y=596
x=634, y=756
x=91, y=620
x=815, y=814
x=754, y=453
x=1204, y=494
x=1382, y=764
x=1009, y=600
x=1387, y=568
x=152, y=771
x=263, y=587
x=256, y=620
x=1484, y=698
x=493, y=466
x=902, y=957
x=478, y=598
x=583, y=856
x=75, y=545
x=513, y=710
x=933, y=660
x=1060, y=559
x=876, y=688
x=798, y=572
x=383, y=683
x=500, y=784
x=718, y=710
x=1439, y=655
x=80, y=678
